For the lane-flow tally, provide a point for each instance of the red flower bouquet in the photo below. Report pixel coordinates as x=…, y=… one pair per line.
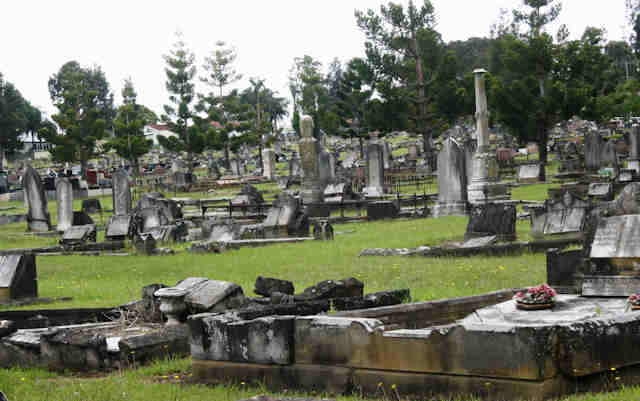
x=539, y=297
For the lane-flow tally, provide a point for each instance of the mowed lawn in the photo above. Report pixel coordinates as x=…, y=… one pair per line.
x=113, y=280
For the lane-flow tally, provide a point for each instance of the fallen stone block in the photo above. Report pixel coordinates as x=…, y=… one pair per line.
x=266, y=286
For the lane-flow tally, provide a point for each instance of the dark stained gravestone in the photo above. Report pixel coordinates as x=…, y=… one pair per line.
x=38, y=217
x=382, y=210
x=593, y=144
x=492, y=219
x=81, y=219
x=18, y=278
x=91, y=206
x=286, y=218
x=452, y=180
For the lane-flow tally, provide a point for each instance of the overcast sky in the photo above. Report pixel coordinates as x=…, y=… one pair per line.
x=129, y=38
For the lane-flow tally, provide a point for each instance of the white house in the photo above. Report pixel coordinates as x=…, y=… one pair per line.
x=153, y=131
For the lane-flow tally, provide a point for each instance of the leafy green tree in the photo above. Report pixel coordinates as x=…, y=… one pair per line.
x=411, y=61
x=85, y=111
x=128, y=130
x=14, y=118
x=310, y=94
x=219, y=66
x=181, y=117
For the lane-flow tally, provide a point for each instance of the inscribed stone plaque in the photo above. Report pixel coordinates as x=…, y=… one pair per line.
x=617, y=237
x=479, y=242
x=599, y=189
x=610, y=286
x=564, y=221
x=529, y=172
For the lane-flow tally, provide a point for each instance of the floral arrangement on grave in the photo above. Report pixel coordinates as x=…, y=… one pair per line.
x=633, y=302
x=538, y=297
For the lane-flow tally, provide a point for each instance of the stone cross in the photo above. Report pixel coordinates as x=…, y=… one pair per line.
x=64, y=201
x=38, y=217
x=121, y=193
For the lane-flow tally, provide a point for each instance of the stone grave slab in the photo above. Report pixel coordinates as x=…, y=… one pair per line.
x=610, y=286
x=529, y=173
x=617, y=237
x=76, y=235
x=214, y=295
x=18, y=278
x=603, y=190
x=487, y=219
x=119, y=227
x=382, y=210
x=479, y=242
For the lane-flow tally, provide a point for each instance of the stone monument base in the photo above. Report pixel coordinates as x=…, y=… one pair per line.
x=443, y=209
x=487, y=192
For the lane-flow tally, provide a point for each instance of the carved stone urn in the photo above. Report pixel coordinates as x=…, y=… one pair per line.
x=172, y=304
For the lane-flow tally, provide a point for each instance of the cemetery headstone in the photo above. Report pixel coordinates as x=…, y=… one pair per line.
x=121, y=193
x=38, y=217
x=18, y=278
x=382, y=210
x=560, y=217
x=119, y=227
x=64, y=201
x=90, y=206
x=593, y=145
x=634, y=149
x=76, y=235
x=312, y=188
x=452, y=180
x=492, y=219
x=269, y=163
x=285, y=218
x=375, y=168
x=529, y=173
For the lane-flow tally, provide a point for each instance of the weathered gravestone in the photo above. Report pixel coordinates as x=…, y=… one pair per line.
x=312, y=186
x=529, y=173
x=295, y=167
x=601, y=190
x=234, y=166
x=615, y=256
x=269, y=163
x=336, y=193
x=375, y=168
x=479, y=242
x=387, y=155
x=382, y=210
x=249, y=198
x=76, y=235
x=38, y=217
x=285, y=218
x=18, y=278
x=633, y=162
x=492, y=219
x=91, y=206
x=412, y=151
x=452, y=180
x=121, y=193
x=561, y=217
x=64, y=201
x=119, y=227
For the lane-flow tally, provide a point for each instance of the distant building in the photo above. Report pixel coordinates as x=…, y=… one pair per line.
x=153, y=131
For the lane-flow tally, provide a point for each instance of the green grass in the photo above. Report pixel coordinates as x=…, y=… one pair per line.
x=113, y=280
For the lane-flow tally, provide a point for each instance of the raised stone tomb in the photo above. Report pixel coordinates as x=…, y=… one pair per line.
x=517, y=354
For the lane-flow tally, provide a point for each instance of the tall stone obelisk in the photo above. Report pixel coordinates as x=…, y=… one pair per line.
x=312, y=193
x=484, y=186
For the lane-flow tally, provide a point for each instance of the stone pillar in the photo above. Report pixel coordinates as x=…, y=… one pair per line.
x=452, y=180
x=121, y=193
x=412, y=151
x=269, y=163
x=38, y=217
x=634, y=149
x=483, y=186
x=375, y=167
x=312, y=189
x=64, y=201
x=593, y=145
x=387, y=156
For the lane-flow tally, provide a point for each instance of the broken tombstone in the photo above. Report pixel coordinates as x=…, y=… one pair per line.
x=266, y=286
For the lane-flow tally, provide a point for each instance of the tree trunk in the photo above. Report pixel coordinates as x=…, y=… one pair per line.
x=1, y=158
x=361, y=147
x=227, y=164
x=542, y=152
x=260, y=161
x=84, y=166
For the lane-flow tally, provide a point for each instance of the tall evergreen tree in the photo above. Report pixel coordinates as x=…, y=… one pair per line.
x=181, y=114
x=85, y=111
x=14, y=117
x=128, y=131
